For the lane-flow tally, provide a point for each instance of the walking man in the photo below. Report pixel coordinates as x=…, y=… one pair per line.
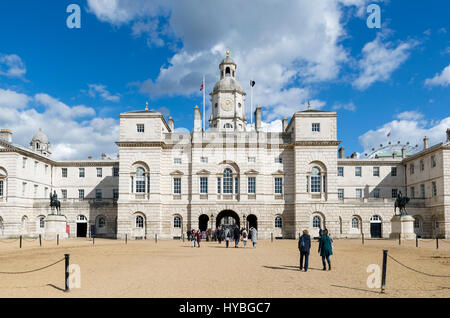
x=227, y=236
x=254, y=234
x=244, y=237
x=237, y=236
x=304, y=246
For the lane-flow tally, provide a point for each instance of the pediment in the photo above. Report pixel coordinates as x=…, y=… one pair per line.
x=203, y=172
x=251, y=171
x=278, y=173
x=177, y=173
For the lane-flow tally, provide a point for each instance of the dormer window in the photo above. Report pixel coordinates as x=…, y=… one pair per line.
x=140, y=128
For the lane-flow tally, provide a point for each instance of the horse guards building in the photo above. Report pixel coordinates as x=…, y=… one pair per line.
x=165, y=183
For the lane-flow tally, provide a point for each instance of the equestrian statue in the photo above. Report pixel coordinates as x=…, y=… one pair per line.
x=400, y=203
x=55, y=203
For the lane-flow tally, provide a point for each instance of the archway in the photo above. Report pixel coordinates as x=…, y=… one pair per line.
x=203, y=222
x=252, y=221
x=228, y=218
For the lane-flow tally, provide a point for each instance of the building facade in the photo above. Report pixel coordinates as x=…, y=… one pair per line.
x=166, y=183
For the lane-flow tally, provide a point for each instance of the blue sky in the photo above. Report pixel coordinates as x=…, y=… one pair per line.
x=74, y=82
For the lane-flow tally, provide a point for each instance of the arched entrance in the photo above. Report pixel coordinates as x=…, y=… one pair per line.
x=228, y=218
x=375, y=227
x=203, y=222
x=252, y=221
x=82, y=224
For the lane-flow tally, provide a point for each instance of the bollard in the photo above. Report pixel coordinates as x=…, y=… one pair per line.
x=437, y=243
x=40, y=240
x=126, y=238
x=67, y=256
x=21, y=241
x=57, y=239
x=182, y=235
x=383, y=275
x=156, y=238
x=417, y=241
x=362, y=236
x=399, y=239
x=93, y=240
x=271, y=237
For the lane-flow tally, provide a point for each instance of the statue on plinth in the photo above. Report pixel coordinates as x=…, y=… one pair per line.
x=400, y=203
x=55, y=203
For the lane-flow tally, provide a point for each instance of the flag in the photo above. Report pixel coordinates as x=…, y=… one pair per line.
x=202, y=87
x=252, y=83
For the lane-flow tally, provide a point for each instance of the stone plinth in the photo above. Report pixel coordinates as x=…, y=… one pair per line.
x=54, y=225
x=403, y=225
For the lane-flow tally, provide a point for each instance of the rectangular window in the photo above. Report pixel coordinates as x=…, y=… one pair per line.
x=393, y=171
x=81, y=173
x=46, y=169
x=81, y=194
x=177, y=185
x=394, y=193
x=422, y=165
x=64, y=194
x=204, y=185
x=376, y=171
x=115, y=194
x=278, y=185
x=99, y=172
x=412, y=192
x=98, y=193
x=177, y=161
x=433, y=189
x=251, y=159
x=278, y=160
x=1, y=188
x=315, y=184
x=411, y=168
x=307, y=184
x=340, y=171
x=422, y=191
x=376, y=193
x=316, y=127
x=236, y=185
x=140, y=128
x=219, y=185
x=252, y=185
x=115, y=172
x=24, y=163
x=433, y=161
x=340, y=193
x=358, y=172
x=64, y=172
x=204, y=159
x=358, y=193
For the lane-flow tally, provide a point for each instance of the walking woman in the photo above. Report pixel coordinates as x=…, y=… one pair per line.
x=254, y=234
x=193, y=237
x=199, y=237
x=325, y=249
x=304, y=245
x=244, y=237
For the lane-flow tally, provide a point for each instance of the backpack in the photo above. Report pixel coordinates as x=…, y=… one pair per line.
x=229, y=234
x=245, y=235
x=303, y=242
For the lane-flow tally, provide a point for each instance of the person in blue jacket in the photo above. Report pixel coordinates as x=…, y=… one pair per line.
x=325, y=249
x=304, y=245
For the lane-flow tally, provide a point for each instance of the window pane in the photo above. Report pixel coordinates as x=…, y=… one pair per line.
x=252, y=185
x=278, y=185
x=227, y=182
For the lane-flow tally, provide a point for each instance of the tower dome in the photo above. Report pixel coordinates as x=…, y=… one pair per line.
x=40, y=136
x=40, y=143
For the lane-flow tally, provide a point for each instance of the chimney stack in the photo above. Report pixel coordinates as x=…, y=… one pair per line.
x=403, y=152
x=171, y=124
x=285, y=124
x=6, y=135
x=258, y=118
x=197, y=120
x=341, y=153
x=103, y=156
x=90, y=157
x=448, y=134
x=425, y=142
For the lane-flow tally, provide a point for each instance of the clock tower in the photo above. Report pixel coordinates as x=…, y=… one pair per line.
x=228, y=98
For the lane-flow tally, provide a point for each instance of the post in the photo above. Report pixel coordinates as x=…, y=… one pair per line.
x=40, y=240
x=93, y=240
x=417, y=241
x=271, y=237
x=383, y=275
x=399, y=239
x=437, y=242
x=156, y=238
x=57, y=239
x=126, y=238
x=362, y=236
x=182, y=235
x=21, y=241
x=67, y=256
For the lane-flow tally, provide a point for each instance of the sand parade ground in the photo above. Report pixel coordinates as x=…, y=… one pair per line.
x=174, y=269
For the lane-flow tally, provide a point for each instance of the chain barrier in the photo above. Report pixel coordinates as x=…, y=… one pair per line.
x=8, y=242
x=31, y=240
x=415, y=270
x=34, y=270
x=445, y=241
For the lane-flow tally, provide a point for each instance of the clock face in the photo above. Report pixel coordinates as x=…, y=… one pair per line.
x=227, y=104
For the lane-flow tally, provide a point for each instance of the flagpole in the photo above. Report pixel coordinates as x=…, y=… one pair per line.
x=204, y=101
x=251, y=105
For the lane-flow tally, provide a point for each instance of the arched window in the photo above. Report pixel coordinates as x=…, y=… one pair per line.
x=315, y=180
x=101, y=223
x=177, y=222
x=140, y=180
x=1, y=224
x=216, y=105
x=355, y=223
x=139, y=222
x=416, y=223
x=278, y=222
x=316, y=222
x=228, y=181
x=227, y=72
x=41, y=222
x=226, y=126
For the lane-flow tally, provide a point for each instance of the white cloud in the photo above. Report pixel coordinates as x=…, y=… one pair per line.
x=70, y=138
x=12, y=66
x=442, y=79
x=278, y=46
x=410, y=128
x=347, y=106
x=380, y=60
x=100, y=90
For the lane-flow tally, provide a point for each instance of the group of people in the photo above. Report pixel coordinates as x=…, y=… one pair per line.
x=225, y=233
x=325, y=249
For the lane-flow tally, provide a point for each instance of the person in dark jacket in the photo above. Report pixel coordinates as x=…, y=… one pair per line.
x=199, y=237
x=304, y=246
x=325, y=249
x=237, y=236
